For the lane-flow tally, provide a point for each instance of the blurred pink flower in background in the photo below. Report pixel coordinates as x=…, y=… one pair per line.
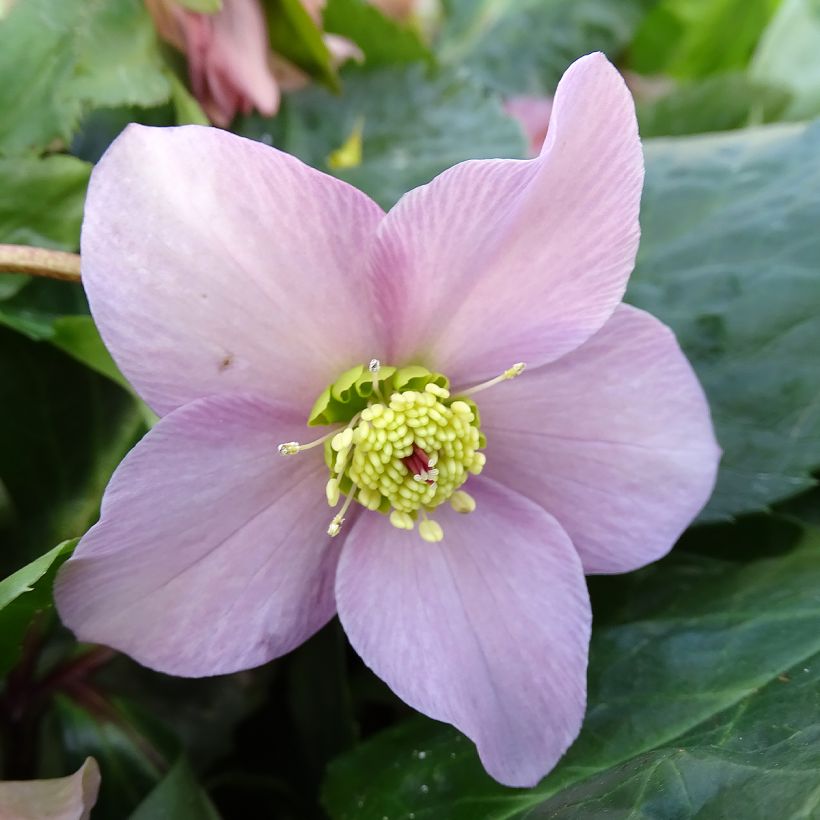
x=228, y=56
x=231, y=66
x=213, y=551
x=533, y=114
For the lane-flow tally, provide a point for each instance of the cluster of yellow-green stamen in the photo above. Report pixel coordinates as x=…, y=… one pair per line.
x=405, y=450
x=372, y=453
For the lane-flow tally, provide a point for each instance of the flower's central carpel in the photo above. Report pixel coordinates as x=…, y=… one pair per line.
x=406, y=445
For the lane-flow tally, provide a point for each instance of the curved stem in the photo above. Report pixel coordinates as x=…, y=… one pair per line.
x=40, y=262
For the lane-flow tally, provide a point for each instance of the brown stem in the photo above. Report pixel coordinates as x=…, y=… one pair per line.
x=77, y=669
x=99, y=707
x=40, y=262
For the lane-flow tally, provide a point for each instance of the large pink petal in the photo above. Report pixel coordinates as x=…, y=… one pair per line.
x=215, y=264
x=211, y=554
x=615, y=440
x=487, y=630
x=500, y=261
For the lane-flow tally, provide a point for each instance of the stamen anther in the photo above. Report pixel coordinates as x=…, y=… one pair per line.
x=291, y=448
x=462, y=502
x=510, y=373
x=431, y=531
x=401, y=520
x=339, y=518
x=332, y=492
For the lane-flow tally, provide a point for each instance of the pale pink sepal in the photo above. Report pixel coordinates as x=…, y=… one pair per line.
x=615, y=440
x=211, y=553
x=487, y=629
x=215, y=264
x=500, y=261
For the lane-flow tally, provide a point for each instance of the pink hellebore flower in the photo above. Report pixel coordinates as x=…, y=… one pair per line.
x=228, y=56
x=233, y=284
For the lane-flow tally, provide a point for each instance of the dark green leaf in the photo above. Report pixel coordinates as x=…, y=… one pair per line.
x=704, y=696
x=63, y=429
x=524, y=46
x=695, y=38
x=729, y=258
x=35, y=307
x=202, y=714
x=78, y=336
x=22, y=595
x=382, y=41
x=59, y=59
x=320, y=700
x=136, y=755
x=413, y=127
x=176, y=796
x=41, y=201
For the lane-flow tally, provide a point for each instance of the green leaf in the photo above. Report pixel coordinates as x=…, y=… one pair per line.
x=63, y=429
x=294, y=36
x=141, y=762
x=202, y=6
x=22, y=595
x=60, y=59
x=36, y=306
x=41, y=200
x=382, y=41
x=703, y=695
x=728, y=259
x=524, y=46
x=720, y=103
x=188, y=110
x=413, y=127
x=56, y=312
x=78, y=336
x=201, y=714
x=695, y=38
x=177, y=795
x=788, y=54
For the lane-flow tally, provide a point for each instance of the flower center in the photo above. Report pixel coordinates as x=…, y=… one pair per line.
x=407, y=447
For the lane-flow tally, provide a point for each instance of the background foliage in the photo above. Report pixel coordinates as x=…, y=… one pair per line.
x=705, y=668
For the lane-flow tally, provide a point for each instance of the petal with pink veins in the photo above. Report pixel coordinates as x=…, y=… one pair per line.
x=211, y=554
x=500, y=261
x=215, y=264
x=615, y=440
x=487, y=629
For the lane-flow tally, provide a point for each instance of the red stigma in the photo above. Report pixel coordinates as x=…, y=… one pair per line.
x=418, y=463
